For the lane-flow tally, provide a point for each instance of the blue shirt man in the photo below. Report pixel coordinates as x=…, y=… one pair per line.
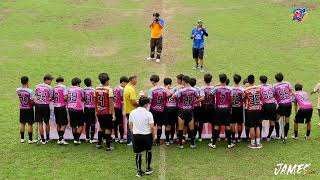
x=197, y=35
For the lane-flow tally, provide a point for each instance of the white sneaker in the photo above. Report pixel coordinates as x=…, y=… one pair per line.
x=308, y=138
x=231, y=145
x=21, y=140
x=129, y=144
x=87, y=140
x=268, y=139
x=168, y=143
x=32, y=141
x=98, y=146
x=202, y=70
x=93, y=141
x=76, y=142
x=149, y=59
x=109, y=149
x=157, y=60
x=194, y=67
x=213, y=146
x=64, y=142
x=116, y=140
x=193, y=146
x=59, y=142
x=121, y=141
x=104, y=141
x=43, y=142
x=276, y=137
x=259, y=146
x=295, y=138
x=180, y=147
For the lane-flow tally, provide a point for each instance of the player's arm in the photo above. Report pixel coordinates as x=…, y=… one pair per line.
x=161, y=23
x=111, y=104
x=192, y=34
x=151, y=125
x=316, y=89
x=130, y=123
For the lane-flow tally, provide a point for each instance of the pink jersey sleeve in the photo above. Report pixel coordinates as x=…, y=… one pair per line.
x=303, y=100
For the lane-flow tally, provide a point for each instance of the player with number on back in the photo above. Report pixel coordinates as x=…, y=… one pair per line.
x=26, y=108
x=237, y=108
x=170, y=111
x=60, y=96
x=223, y=103
x=252, y=95
x=157, y=96
x=43, y=96
x=303, y=109
x=75, y=108
x=186, y=100
x=105, y=110
x=269, y=106
x=118, y=108
x=89, y=110
x=283, y=93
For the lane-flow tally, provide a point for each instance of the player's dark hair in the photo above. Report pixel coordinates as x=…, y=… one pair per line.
x=24, y=80
x=132, y=77
x=227, y=81
x=223, y=78
x=207, y=78
x=103, y=77
x=75, y=81
x=143, y=101
x=60, y=79
x=251, y=79
x=167, y=81
x=186, y=79
x=156, y=14
x=298, y=87
x=245, y=81
x=236, y=78
x=279, y=77
x=180, y=76
x=193, y=82
x=155, y=78
x=87, y=82
x=48, y=77
x=124, y=79
x=263, y=79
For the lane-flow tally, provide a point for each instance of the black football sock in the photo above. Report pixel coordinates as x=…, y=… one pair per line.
x=277, y=127
x=180, y=134
x=74, y=136
x=247, y=132
x=42, y=138
x=87, y=131
x=121, y=131
x=215, y=136
x=286, y=130
x=195, y=130
x=115, y=129
x=200, y=130
x=60, y=133
x=22, y=135
x=30, y=136
x=159, y=132
x=100, y=138
x=173, y=131
x=228, y=136
x=138, y=161
x=233, y=134
x=308, y=133
x=270, y=131
x=48, y=136
x=295, y=133
x=92, y=131
x=148, y=158
x=108, y=140
x=192, y=135
x=167, y=132
x=260, y=126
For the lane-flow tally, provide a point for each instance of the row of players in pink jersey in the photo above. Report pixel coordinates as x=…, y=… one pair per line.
x=185, y=108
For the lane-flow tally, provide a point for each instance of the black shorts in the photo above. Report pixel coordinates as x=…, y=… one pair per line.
x=61, y=116
x=284, y=110
x=303, y=116
x=105, y=121
x=89, y=115
x=27, y=116
x=186, y=115
x=269, y=112
x=197, y=111
x=171, y=115
x=119, y=115
x=207, y=115
x=76, y=118
x=158, y=117
x=197, y=53
x=42, y=113
x=253, y=118
x=237, y=115
x=223, y=117
x=141, y=142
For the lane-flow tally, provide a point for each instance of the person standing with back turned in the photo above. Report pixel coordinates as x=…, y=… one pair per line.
x=156, y=26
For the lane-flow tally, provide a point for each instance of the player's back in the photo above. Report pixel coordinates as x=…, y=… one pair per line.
x=25, y=95
x=223, y=96
x=267, y=94
x=118, y=97
x=208, y=96
x=43, y=93
x=75, y=96
x=237, y=99
x=158, y=95
x=186, y=97
x=59, y=93
x=171, y=101
x=253, y=98
x=88, y=95
x=103, y=93
x=200, y=94
x=282, y=92
x=303, y=100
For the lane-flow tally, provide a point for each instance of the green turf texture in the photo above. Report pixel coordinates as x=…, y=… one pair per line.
x=85, y=37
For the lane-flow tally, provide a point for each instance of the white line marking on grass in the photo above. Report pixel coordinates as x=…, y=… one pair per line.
x=163, y=164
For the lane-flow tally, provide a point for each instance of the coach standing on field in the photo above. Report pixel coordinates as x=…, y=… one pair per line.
x=156, y=26
x=142, y=125
x=197, y=35
x=130, y=103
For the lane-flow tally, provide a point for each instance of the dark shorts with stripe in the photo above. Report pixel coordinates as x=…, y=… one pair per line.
x=27, y=116
x=142, y=142
x=303, y=116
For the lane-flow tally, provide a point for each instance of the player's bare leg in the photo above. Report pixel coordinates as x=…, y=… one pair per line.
x=233, y=132
x=239, y=130
x=22, y=129
x=308, y=131
x=201, y=65
x=48, y=131
x=196, y=60
x=108, y=139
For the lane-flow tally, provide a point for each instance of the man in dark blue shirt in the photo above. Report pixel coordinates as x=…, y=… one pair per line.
x=197, y=35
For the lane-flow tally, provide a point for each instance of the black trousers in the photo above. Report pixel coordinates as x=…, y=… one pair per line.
x=155, y=43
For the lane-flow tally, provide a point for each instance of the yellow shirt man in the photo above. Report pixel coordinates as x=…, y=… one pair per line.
x=129, y=94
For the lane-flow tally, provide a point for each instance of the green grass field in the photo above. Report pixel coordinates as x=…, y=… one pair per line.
x=85, y=37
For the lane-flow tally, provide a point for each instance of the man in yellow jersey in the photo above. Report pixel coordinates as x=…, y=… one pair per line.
x=156, y=26
x=130, y=103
